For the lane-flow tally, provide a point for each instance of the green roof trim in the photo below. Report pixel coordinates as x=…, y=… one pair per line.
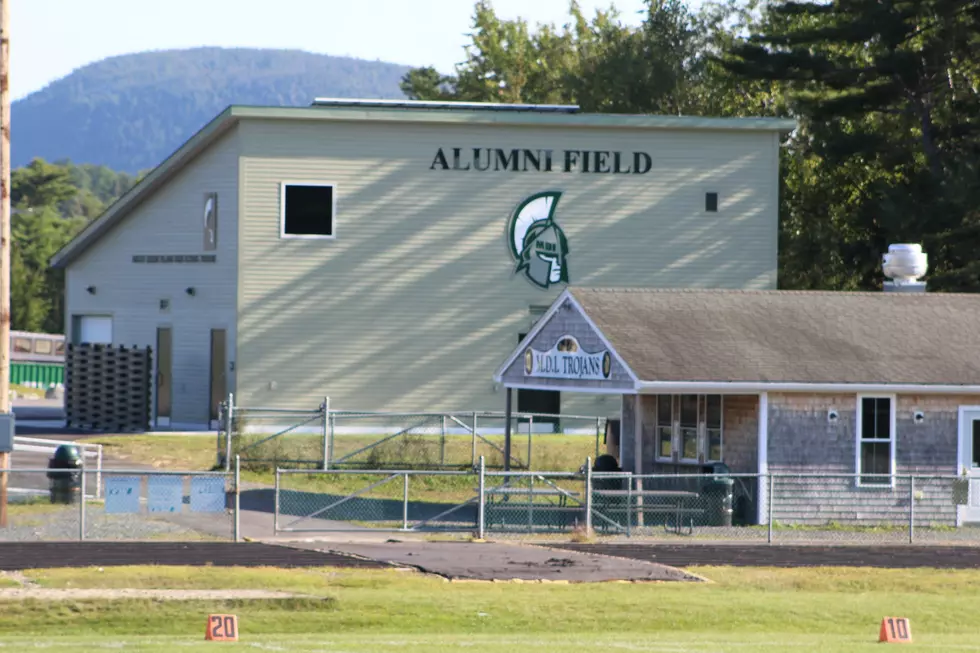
x=228, y=118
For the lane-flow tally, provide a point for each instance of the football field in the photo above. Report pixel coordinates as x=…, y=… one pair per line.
x=328, y=609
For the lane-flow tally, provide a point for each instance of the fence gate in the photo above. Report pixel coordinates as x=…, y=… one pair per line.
x=353, y=500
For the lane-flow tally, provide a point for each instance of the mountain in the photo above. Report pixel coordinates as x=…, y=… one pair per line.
x=130, y=112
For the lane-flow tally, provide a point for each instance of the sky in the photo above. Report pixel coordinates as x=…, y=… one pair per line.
x=51, y=38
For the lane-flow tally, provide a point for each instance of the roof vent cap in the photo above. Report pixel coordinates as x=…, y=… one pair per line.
x=904, y=264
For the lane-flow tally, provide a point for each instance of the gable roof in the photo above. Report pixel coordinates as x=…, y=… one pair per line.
x=790, y=337
x=228, y=118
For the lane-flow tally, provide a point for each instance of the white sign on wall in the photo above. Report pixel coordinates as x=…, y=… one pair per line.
x=567, y=360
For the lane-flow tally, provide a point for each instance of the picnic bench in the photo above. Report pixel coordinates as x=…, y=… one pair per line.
x=675, y=506
x=500, y=505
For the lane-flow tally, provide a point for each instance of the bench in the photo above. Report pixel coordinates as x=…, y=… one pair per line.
x=672, y=504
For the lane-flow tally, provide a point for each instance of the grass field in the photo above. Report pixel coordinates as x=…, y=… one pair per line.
x=827, y=609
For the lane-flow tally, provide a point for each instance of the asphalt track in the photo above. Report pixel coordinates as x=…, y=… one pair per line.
x=783, y=555
x=18, y=556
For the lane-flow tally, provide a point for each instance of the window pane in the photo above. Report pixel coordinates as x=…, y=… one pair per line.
x=883, y=418
x=22, y=345
x=664, y=447
x=714, y=444
x=59, y=348
x=664, y=417
x=308, y=211
x=875, y=459
x=976, y=443
x=689, y=410
x=43, y=347
x=713, y=418
x=876, y=418
x=690, y=443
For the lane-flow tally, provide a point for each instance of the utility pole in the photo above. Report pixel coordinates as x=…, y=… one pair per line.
x=4, y=239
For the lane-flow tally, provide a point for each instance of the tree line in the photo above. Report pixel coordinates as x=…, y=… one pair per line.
x=50, y=204
x=886, y=95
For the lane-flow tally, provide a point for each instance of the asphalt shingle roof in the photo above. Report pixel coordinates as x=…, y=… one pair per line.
x=791, y=336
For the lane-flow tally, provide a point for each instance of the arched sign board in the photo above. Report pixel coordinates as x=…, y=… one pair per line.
x=566, y=352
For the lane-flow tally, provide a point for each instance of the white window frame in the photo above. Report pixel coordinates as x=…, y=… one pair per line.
x=859, y=439
x=282, y=211
x=676, y=437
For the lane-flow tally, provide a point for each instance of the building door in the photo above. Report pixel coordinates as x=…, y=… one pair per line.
x=164, y=377
x=539, y=401
x=969, y=448
x=219, y=371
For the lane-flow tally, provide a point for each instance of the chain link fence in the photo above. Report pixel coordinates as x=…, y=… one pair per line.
x=322, y=438
x=129, y=505
x=831, y=509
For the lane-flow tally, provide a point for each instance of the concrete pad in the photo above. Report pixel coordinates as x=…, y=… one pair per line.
x=502, y=561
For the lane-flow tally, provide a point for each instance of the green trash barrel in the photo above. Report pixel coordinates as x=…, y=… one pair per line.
x=64, y=474
x=718, y=493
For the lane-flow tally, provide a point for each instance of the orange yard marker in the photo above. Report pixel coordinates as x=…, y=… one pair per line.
x=895, y=630
x=221, y=628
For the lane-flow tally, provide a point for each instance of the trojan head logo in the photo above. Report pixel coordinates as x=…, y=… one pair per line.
x=537, y=242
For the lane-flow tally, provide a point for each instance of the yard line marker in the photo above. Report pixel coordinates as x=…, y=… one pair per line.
x=895, y=630
x=221, y=628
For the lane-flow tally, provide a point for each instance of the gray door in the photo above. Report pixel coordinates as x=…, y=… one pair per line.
x=219, y=369
x=164, y=378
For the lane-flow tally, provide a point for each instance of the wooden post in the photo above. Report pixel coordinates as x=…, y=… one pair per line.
x=4, y=238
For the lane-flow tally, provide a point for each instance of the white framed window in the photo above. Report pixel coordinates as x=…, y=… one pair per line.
x=308, y=210
x=689, y=428
x=875, y=433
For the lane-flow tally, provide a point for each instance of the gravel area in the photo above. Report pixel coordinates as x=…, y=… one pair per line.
x=63, y=524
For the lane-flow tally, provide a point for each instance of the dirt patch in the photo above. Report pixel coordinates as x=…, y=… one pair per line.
x=783, y=555
x=45, y=594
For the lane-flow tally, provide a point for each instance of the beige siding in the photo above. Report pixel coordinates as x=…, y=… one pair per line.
x=170, y=222
x=416, y=303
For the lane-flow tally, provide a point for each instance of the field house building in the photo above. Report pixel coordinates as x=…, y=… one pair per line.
x=386, y=254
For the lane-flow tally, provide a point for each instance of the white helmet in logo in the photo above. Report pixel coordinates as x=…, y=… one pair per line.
x=537, y=242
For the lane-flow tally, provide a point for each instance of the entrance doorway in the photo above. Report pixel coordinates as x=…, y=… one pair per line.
x=539, y=401
x=219, y=371
x=969, y=459
x=164, y=378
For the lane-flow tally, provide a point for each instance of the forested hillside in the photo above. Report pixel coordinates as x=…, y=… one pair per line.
x=130, y=112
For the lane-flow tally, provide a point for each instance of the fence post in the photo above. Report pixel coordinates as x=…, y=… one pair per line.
x=473, y=455
x=230, y=429
x=238, y=500
x=911, y=508
x=442, y=444
x=275, y=507
x=332, y=426
x=98, y=472
x=597, y=433
x=769, y=509
x=629, y=504
x=326, y=435
x=405, y=505
x=530, y=430
x=81, y=505
x=588, y=495
x=481, y=504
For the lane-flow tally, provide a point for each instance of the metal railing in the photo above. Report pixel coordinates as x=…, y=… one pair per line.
x=137, y=505
x=48, y=446
x=326, y=438
x=731, y=507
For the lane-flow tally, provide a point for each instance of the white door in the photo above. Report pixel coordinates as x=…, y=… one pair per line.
x=969, y=448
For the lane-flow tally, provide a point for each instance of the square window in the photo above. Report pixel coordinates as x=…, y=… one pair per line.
x=22, y=345
x=307, y=211
x=711, y=202
x=43, y=347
